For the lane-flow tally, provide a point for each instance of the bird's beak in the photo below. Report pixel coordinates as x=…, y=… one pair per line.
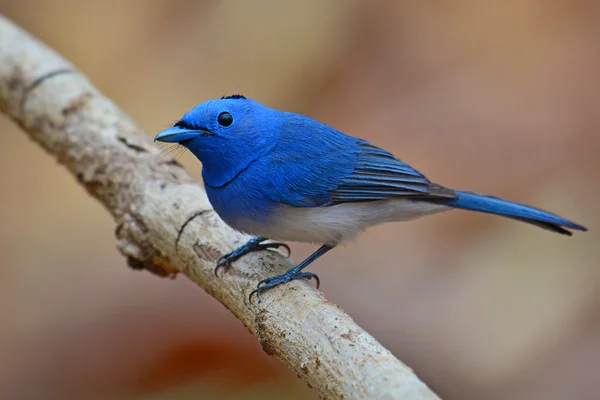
x=175, y=134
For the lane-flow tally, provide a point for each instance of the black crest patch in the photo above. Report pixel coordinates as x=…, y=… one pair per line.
x=234, y=97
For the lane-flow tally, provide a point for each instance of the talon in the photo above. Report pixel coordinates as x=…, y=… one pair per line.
x=261, y=283
x=221, y=263
x=224, y=260
x=270, y=283
x=252, y=245
x=252, y=293
x=275, y=245
x=288, y=251
x=308, y=276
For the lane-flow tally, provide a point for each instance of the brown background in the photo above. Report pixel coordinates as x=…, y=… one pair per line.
x=497, y=97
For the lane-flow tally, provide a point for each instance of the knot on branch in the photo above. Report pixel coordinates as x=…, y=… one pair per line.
x=133, y=243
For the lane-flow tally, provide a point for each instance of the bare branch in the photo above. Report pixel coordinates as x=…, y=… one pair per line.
x=165, y=224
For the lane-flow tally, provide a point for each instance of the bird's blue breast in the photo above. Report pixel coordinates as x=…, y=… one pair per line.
x=241, y=200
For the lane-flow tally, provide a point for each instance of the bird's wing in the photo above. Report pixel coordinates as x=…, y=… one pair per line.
x=344, y=171
x=379, y=175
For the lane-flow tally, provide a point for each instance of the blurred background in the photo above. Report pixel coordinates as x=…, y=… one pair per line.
x=496, y=97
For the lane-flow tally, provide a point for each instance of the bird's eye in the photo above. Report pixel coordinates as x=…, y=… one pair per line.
x=225, y=119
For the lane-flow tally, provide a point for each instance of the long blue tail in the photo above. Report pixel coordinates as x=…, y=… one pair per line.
x=493, y=205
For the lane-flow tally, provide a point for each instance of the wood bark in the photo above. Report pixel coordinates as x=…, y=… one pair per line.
x=165, y=224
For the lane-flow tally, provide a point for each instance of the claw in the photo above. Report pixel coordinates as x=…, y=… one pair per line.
x=221, y=263
x=252, y=245
x=275, y=245
x=308, y=276
x=288, y=251
x=270, y=283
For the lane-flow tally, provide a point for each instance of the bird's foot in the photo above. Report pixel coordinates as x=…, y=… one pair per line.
x=291, y=275
x=254, y=244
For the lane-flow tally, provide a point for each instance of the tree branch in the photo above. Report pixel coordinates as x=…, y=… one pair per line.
x=165, y=224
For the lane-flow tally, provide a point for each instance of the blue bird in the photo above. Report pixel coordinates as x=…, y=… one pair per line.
x=286, y=177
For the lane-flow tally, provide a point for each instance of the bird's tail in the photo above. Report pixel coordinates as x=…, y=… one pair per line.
x=493, y=205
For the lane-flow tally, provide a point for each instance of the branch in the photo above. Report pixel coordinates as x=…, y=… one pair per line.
x=165, y=225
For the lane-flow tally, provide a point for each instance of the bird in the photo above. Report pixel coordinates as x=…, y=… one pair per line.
x=281, y=176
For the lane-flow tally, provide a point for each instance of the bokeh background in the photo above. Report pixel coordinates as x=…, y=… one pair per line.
x=497, y=97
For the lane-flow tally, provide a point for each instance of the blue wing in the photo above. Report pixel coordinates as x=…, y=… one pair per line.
x=378, y=175
x=313, y=165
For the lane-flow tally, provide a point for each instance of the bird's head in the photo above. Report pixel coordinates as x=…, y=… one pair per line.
x=226, y=135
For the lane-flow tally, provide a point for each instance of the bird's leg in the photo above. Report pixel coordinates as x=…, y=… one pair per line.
x=294, y=273
x=252, y=245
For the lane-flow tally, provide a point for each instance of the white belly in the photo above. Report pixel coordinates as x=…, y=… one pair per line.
x=335, y=224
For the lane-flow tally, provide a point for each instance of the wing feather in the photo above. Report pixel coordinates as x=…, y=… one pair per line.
x=379, y=175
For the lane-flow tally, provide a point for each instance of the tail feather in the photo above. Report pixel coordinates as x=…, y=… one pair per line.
x=494, y=205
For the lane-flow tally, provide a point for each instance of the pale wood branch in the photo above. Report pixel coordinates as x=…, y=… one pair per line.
x=157, y=205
